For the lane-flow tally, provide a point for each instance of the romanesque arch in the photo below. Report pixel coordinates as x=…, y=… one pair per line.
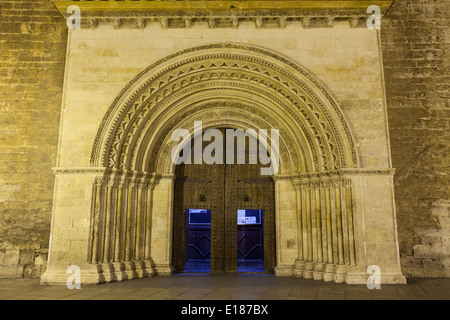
x=177, y=84
x=237, y=86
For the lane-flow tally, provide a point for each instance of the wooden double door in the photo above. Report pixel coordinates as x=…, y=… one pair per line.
x=238, y=203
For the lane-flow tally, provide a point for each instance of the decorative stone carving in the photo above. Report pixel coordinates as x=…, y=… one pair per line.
x=306, y=21
x=282, y=22
x=211, y=23
x=235, y=22
x=330, y=22
x=141, y=23
x=164, y=23
x=117, y=23
x=93, y=23
x=187, y=23
x=258, y=22
x=212, y=10
x=311, y=115
x=353, y=22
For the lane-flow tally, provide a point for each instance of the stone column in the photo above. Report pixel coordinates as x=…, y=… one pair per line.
x=286, y=226
x=161, y=229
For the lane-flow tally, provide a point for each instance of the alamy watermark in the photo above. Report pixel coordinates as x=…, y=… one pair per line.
x=374, y=277
x=374, y=20
x=74, y=280
x=216, y=153
x=74, y=20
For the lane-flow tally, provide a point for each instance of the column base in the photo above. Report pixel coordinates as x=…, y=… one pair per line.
x=163, y=270
x=102, y=272
x=284, y=271
x=89, y=274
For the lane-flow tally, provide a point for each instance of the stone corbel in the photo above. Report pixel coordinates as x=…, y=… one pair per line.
x=258, y=22
x=187, y=23
x=330, y=22
x=117, y=23
x=164, y=23
x=93, y=23
x=235, y=22
x=353, y=22
x=141, y=23
x=211, y=23
x=282, y=22
x=306, y=21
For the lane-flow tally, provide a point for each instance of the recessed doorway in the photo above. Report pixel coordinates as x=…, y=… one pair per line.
x=223, y=219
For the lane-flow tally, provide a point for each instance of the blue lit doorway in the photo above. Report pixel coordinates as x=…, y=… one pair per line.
x=250, y=240
x=198, y=241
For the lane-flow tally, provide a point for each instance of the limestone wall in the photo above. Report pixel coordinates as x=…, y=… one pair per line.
x=32, y=55
x=416, y=64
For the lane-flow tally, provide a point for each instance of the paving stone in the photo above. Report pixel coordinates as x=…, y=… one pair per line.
x=225, y=287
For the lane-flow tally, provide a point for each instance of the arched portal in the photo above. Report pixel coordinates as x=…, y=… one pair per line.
x=318, y=231
x=132, y=132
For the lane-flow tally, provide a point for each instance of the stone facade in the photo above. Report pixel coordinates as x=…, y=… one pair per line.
x=100, y=64
x=309, y=82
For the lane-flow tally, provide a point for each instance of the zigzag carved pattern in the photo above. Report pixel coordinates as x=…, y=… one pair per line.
x=216, y=75
x=292, y=82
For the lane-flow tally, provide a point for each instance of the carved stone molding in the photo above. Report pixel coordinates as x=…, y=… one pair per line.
x=99, y=170
x=336, y=173
x=230, y=115
x=239, y=69
x=220, y=12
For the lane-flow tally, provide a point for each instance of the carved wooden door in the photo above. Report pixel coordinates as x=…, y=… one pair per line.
x=223, y=189
x=246, y=189
x=198, y=187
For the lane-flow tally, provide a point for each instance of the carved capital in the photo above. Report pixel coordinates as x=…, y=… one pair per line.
x=98, y=182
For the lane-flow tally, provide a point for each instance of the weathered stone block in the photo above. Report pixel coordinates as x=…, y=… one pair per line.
x=11, y=257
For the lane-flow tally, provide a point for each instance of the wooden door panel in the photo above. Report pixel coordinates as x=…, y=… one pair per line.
x=247, y=189
x=198, y=187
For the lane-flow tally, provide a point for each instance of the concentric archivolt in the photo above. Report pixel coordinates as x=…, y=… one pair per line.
x=266, y=87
